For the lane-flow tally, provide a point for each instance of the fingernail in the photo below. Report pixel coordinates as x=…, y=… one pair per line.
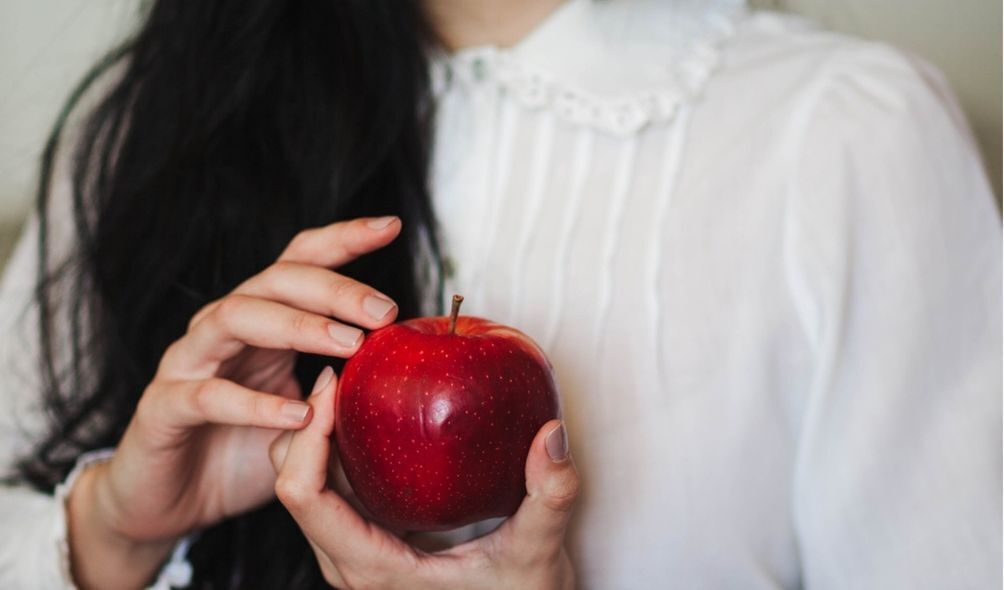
x=295, y=411
x=557, y=443
x=322, y=380
x=381, y=222
x=377, y=307
x=347, y=336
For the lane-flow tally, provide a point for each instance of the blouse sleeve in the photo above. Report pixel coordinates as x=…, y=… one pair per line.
x=893, y=250
x=33, y=549
x=33, y=523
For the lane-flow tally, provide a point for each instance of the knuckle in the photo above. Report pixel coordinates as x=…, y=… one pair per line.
x=277, y=450
x=282, y=267
x=353, y=245
x=560, y=496
x=268, y=279
x=262, y=408
x=303, y=322
x=370, y=580
x=228, y=308
x=331, y=577
x=301, y=242
x=203, y=393
x=352, y=248
x=291, y=492
x=341, y=286
x=278, y=271
x=170, y=353
x=146, y=406
x=199, y=315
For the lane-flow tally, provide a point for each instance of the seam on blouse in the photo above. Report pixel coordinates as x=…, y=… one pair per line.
x=542, y=155
x=808, y=307
x=666, y=191
x=573, y=209
x=623, y=182
x=500, y=159
x=800, y=291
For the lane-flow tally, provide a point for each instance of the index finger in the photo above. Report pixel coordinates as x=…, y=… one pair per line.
x=341, y=242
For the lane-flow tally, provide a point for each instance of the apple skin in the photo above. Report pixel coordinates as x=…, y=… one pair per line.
x=433, y=429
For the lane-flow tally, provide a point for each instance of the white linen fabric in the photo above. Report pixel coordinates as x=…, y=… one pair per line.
x=765, y=262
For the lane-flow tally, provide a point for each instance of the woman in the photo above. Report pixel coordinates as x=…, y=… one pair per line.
x=763, y=259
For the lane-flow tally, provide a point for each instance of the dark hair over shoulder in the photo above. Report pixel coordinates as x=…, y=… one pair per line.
x=234, y=125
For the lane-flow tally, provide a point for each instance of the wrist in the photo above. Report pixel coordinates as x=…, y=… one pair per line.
x=101, y=556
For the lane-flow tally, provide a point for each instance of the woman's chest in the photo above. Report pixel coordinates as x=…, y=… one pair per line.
x=663, y=307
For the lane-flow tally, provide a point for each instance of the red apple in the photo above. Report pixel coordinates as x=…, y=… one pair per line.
x=434, y=418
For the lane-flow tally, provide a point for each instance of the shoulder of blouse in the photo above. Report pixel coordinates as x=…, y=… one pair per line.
x=614, y=66
x=787, y=78
x=828, y=86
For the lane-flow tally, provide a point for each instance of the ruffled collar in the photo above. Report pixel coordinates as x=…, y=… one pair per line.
x=615, y=65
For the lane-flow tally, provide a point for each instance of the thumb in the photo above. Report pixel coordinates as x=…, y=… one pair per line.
x=552, y=485
x=279, y=448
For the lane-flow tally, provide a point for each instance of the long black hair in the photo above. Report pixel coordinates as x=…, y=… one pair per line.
x=230, y=125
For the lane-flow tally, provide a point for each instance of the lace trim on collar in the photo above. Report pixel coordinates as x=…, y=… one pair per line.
x=624, y=113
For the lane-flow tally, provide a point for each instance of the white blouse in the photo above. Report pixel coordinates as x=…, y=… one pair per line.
x=765, y=262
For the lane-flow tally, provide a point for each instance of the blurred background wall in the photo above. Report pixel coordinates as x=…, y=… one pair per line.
x=45, y=48
x=46, y=45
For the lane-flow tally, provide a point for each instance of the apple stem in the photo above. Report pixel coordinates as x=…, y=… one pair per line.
x=457, y=300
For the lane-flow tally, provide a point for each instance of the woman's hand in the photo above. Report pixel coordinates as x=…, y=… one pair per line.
x=526, y=552
x=196, y=450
